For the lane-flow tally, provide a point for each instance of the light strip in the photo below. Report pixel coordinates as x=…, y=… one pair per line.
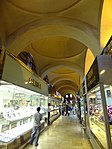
x=102, y=72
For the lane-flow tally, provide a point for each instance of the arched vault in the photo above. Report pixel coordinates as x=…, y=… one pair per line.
x=69, y=91
x=57, y=35
x=66, y=83
x=64, y=77
x=65, y=91
x=50, y=27
x=60, y=64
x=60, y=89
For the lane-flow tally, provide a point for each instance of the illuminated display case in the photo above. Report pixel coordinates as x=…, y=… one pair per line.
x=96, y=117
x=82, y=111
x=21, y=91
x=83, y=104
x=99, y=89
x=17, y=107
x=54, y=108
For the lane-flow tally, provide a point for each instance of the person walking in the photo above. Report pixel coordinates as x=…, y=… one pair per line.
x=63, y=110
x=67, y=110
x=49, y=110
x=36, y=127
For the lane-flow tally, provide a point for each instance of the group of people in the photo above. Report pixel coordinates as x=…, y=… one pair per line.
x=67, y=109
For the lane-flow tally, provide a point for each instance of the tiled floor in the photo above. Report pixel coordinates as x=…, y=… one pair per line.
x=64, y=133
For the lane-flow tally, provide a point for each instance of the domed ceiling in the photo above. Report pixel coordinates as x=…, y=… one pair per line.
x=58, y=47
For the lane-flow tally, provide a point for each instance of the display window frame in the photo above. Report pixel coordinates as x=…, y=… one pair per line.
x=15, y=79
x=104, y=69
x=16, y=119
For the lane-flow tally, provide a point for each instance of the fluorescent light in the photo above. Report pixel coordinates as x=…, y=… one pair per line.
x=102, y=72
x=70, y=95
x=66, y=96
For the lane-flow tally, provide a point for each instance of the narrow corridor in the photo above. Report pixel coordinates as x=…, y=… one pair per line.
x=64, y=133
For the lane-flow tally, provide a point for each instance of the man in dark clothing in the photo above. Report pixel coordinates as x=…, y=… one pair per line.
x=49, y=113
x=67, y=110
x=36, y=127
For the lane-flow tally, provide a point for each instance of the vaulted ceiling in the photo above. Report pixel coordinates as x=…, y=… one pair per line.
x=57, y=33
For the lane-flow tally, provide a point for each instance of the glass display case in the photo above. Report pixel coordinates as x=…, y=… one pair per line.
x=99, y=98
x=82, y=111
x=21, y=91
x=96, y=111
x=78, y=107
x=83, y=103
x=17, y=106
x=96, y=118
x=54, y=108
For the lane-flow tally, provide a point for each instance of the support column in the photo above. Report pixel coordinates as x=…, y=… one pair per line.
x=3, y=50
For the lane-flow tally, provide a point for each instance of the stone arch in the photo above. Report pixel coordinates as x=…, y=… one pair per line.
x=66, y=83
x=67, y=86
x=57, y=64
x=61, y=78
x=65, y=91
x=49, y=27
x=69, y=92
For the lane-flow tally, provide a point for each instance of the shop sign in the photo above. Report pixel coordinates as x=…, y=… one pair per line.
x=34, y=83
x=17, y=74
x=92, y=77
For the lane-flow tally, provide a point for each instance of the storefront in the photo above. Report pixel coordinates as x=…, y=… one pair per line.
x=99, y=88
x=21, y=91
x=83, y=100
x=54, y=108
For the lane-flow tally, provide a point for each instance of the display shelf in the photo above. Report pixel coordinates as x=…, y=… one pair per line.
x=98, y=133
x=11, y=134
x=19, y=98
x=99, y=100
x=54, y=112
x=15, y=132
x=54, y=109
x=54, y=117
x=100, y=124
